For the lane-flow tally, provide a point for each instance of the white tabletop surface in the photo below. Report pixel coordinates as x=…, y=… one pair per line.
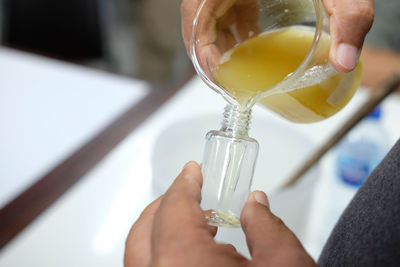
x=48, y=109
x=88, y=225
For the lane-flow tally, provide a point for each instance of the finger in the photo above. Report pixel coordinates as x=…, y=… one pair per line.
x=180, y=218
x=138, y=242
x=225, y=38
x=268, y=239
x=247, y=13
x=209, y=58
x=350, y=21
x=210, y=12
x=211, y=40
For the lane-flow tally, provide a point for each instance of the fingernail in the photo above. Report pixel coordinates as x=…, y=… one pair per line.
x=347, y=55
x=261, y=198
x=187, y=164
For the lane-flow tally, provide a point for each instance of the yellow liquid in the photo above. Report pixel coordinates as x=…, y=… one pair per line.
x=265, y=60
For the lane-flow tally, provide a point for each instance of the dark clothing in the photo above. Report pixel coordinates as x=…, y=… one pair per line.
x=368, y=232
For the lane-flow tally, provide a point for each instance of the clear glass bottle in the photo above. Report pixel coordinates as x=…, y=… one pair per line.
x=228, y=167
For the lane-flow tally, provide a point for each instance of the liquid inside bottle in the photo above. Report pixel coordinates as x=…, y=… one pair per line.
x=262, y=62
x=228, y=166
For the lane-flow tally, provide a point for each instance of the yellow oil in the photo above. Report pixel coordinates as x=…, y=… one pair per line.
x=260, y=63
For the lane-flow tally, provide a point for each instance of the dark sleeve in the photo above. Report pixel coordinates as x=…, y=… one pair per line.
x=368, y=232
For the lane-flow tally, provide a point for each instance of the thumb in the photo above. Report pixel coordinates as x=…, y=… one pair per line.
x=269, y=240
x=350, y=22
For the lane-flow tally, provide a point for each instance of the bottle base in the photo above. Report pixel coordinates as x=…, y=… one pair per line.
x=222, y=219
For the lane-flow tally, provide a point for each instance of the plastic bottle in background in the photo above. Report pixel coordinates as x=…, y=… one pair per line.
x=354, y=159
x=361, y=150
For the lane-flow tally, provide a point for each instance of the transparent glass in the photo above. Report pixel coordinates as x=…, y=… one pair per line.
x=228, y=167
x=271, y=52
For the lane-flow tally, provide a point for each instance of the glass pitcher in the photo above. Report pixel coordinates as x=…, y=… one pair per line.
x=271, y=52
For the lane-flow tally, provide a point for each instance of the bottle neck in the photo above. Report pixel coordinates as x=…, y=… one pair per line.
x=236, y=121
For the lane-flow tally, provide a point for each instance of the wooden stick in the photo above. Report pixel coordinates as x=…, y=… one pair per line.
x=378, y=94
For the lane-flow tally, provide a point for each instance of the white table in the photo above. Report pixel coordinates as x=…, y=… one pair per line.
x=48, y=109
x=88, y=225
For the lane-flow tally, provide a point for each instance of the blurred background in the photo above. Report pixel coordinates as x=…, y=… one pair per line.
x=137, y=38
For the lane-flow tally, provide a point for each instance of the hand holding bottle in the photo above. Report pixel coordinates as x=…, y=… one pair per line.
x=172, y=231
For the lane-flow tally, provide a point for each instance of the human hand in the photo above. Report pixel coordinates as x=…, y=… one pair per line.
x=172, y=231
x=215, y=26
x=350, y=21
